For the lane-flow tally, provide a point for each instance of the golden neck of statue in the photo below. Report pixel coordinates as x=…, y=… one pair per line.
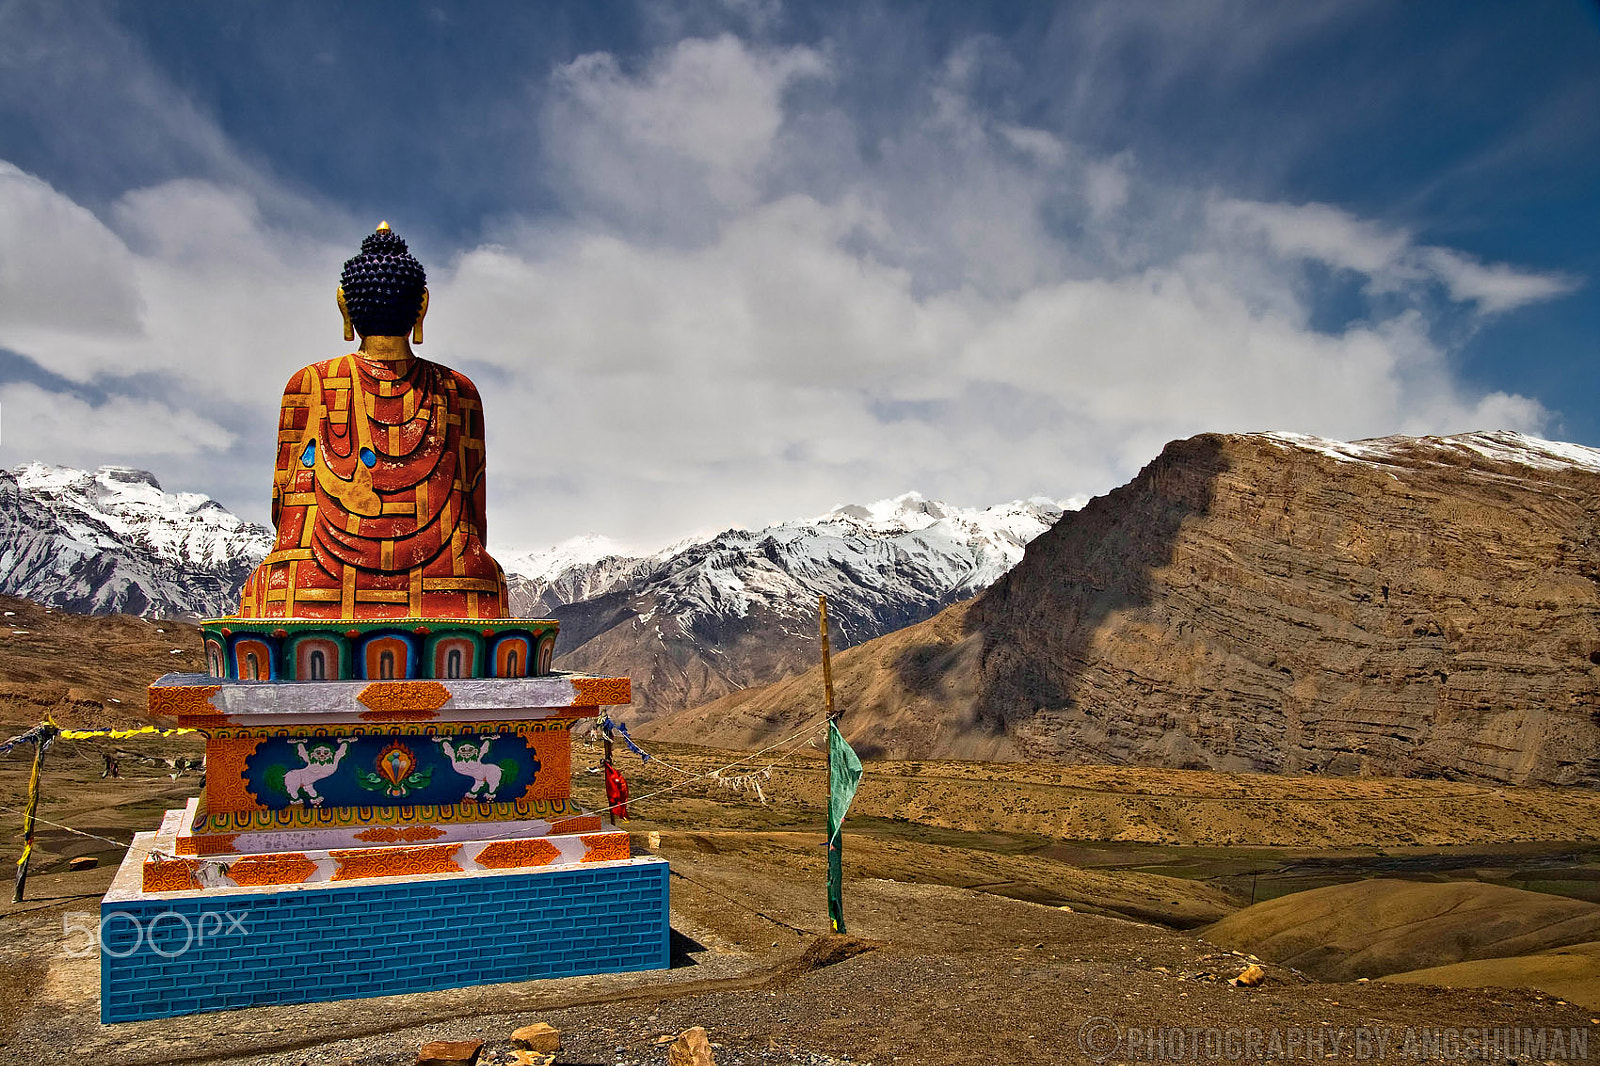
x=394, y=352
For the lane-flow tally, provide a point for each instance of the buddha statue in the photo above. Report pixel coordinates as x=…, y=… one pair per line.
x=378, y=493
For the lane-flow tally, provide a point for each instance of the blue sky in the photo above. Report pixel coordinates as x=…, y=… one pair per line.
x=726, y=263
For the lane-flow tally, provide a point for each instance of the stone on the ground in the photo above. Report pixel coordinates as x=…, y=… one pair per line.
x=1251, y=976
x=84, y=862
x=449, y=1053
x=533, y=1058
x=692, y=1048
x=537, y=1037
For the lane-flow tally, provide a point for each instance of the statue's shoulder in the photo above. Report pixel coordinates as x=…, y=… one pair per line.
x=459, y=382
x=302, y=380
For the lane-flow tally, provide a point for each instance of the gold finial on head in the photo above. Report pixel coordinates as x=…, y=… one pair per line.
x=383, y=227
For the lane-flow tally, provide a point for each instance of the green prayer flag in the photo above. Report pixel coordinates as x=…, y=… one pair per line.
x=844, y=774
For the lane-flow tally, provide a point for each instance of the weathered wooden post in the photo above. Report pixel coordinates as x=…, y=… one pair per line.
x=41, y=735
x=607, y=770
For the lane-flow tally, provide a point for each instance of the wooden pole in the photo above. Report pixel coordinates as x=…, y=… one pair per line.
x=606, y=762
x=827, y=661
x=41, y=739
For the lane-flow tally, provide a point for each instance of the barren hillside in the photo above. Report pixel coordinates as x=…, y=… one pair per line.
x=1409, y=606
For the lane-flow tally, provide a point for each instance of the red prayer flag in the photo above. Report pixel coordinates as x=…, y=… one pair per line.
x=616, y=792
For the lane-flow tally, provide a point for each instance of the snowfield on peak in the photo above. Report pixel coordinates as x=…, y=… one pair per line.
x=585, y=550
x=1500, y=446
x=874, y=559
x=702, y=618
x=111, y=540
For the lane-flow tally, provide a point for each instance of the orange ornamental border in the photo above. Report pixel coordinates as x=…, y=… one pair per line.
x=184, y=701
x=411, y=834
x=410, y=697
x=398, y=716
x=603, y=847
x=211, y=844
x=285, y=868
x=514, y=854
x=385, y=862
x=603, y=691
x=587, y=823
x=225, y=788
x=554, y=779
x=170, y=875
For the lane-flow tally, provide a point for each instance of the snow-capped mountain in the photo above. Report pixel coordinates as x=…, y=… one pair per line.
x=113, y=541
x=688, y=623
x=701, y=619
x=576, y=569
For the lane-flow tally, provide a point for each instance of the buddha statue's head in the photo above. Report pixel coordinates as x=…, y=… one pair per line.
x=383, y=292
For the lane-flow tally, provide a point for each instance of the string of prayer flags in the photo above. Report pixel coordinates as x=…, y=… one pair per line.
x=744, y=782
x=628, y=740
x=43, y=734
x=120, y=734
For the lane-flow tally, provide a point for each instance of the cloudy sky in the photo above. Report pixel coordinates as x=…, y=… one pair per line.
x=727, y=263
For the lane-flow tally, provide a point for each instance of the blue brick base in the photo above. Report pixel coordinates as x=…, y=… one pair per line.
x=182, y=953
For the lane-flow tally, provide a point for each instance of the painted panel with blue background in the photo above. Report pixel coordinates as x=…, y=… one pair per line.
x=390, y=770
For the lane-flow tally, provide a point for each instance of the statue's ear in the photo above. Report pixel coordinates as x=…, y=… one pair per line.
x=344, y=312
x=416, y=330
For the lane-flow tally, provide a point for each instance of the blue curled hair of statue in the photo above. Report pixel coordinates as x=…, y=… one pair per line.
x=383, y=286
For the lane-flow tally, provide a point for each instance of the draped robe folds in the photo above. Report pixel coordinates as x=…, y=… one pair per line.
x=378, y=498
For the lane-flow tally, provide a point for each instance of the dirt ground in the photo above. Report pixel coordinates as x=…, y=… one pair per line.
x=1004, y=913
x=952, y=976
x=970, y=954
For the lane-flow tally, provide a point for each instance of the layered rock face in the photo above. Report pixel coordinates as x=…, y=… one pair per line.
x=1271, y=602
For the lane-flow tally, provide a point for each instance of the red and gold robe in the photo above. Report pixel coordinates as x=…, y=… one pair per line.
x=378, y=498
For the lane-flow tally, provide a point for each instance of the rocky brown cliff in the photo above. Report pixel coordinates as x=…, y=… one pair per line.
x=1411, y=606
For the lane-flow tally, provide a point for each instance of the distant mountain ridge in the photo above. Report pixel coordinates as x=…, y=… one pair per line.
x=112, y=541
x=688, y=623
x=707, y=617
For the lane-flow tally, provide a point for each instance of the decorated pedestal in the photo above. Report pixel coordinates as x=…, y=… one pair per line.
x=364, y=833
x=387, y=802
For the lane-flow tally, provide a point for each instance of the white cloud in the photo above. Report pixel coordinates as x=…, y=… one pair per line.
x=195, y=288
x=745, y=316
x=66, y=429
x=691, y=135
x=1391, y=259
x=1317, y=231
x=62, y=272
x=1494, y=287
x=1106, y=185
